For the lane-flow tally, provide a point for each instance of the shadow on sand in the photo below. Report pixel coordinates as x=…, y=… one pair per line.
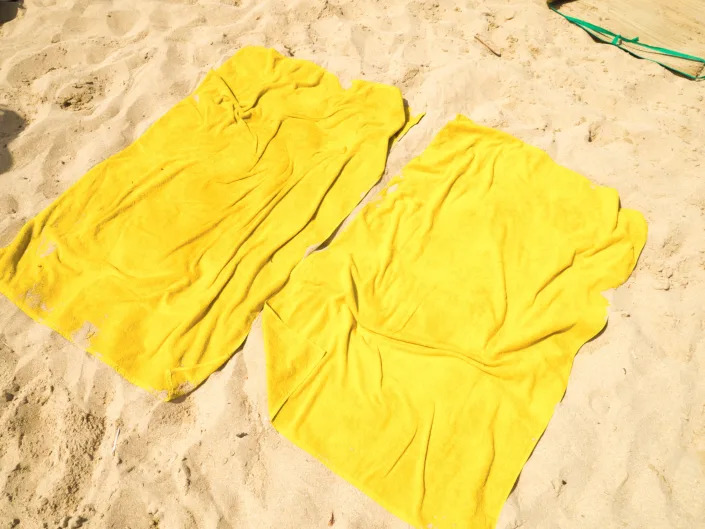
x=9, y=9
x=11, y=124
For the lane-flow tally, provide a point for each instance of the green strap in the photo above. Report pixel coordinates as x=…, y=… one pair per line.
x=618, y=39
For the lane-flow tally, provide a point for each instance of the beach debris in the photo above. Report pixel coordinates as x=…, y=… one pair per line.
x=497, y=53
x=117, y=433
x=331, y=522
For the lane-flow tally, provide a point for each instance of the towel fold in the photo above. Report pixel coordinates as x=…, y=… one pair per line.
x=421, y=355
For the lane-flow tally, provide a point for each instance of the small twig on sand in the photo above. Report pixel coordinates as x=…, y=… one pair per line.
x=497, y=53
x=115, y=441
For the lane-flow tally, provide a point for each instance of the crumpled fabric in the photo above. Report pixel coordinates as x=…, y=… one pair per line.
x=420, y=356
x=159, y=258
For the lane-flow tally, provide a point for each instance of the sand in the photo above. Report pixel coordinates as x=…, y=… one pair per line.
x=79, y=80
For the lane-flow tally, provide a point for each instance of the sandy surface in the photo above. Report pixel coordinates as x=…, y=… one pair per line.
x=79, y=80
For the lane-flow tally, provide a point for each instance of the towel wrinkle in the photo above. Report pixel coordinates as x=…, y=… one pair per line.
x=466, y=287
x=204, y=216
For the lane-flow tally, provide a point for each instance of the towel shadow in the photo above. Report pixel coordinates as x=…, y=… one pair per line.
x=11, y=124
x=9, y=9
x=186, y=397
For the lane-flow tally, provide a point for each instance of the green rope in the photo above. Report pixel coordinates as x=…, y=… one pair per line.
x=617, y=40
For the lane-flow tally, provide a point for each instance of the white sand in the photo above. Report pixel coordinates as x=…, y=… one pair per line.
x=82, y=79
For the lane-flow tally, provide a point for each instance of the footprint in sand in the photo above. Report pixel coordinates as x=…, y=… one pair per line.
x=121, y=22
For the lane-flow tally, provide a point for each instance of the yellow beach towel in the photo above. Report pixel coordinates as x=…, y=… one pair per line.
x=421, y=355
x=160, y=257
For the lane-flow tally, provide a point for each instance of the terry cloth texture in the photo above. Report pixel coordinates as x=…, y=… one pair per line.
x=421, y=355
